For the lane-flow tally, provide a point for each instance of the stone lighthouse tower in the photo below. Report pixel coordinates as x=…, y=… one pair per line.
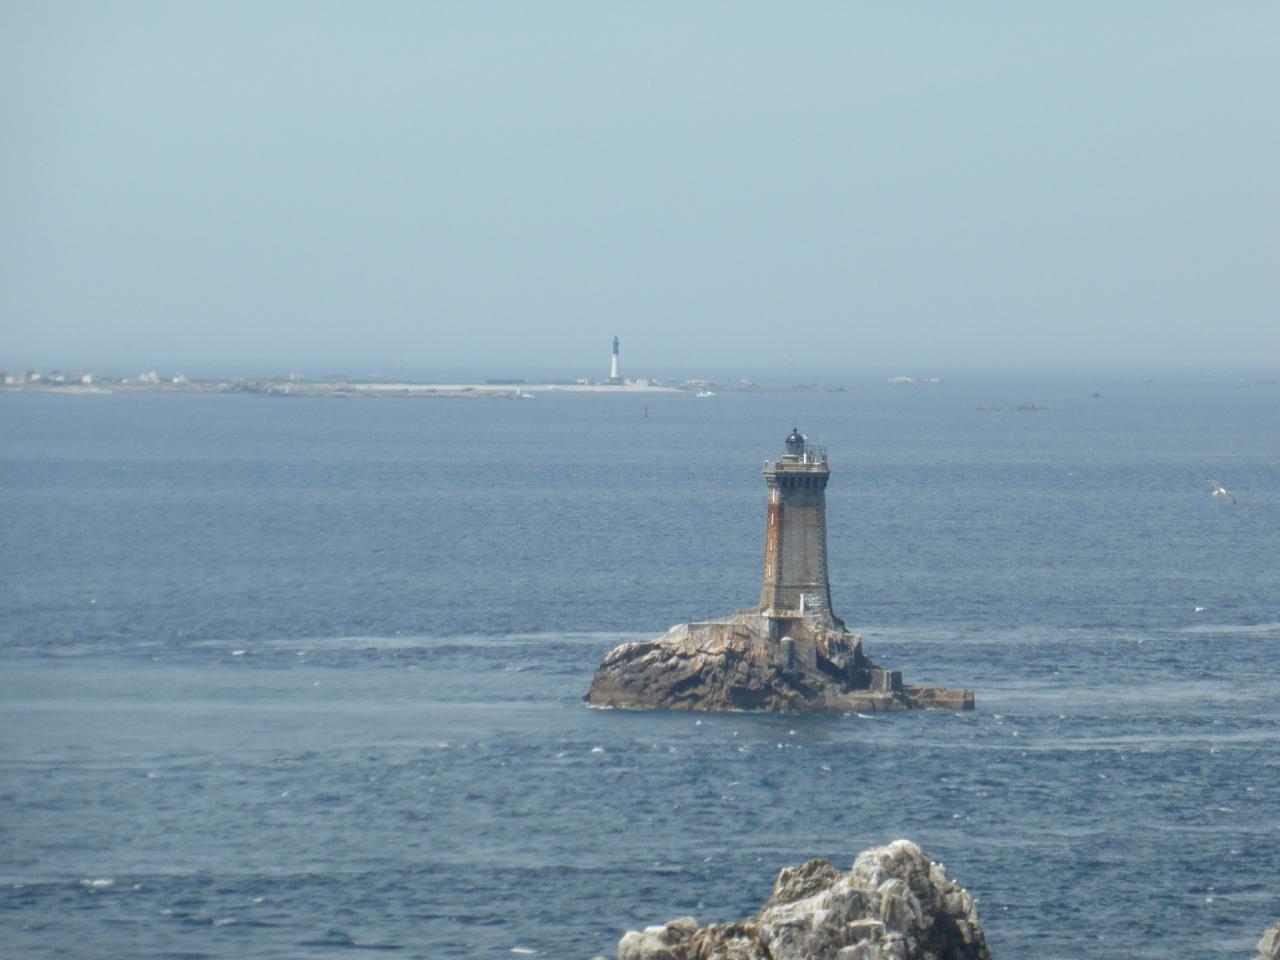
x=795, y=543
x=614, y=376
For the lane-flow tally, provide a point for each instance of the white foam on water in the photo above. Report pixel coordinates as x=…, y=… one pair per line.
x=1245, y=629
x=427, y=642
x=99, y=884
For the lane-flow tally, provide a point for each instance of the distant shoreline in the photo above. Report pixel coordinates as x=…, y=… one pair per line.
x=285, y=388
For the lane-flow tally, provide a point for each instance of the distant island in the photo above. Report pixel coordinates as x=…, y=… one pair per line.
x=338, y=386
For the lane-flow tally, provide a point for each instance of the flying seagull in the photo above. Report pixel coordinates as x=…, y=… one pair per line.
x=1220, y=491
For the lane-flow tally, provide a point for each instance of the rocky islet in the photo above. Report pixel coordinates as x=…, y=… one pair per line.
x=790, y=652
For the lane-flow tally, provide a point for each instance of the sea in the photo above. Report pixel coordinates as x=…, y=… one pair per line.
x=303, y=677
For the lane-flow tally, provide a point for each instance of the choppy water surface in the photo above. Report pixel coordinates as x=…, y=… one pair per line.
x=288, y=678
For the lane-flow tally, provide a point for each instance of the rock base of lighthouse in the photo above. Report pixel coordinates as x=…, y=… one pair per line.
x=755, y=661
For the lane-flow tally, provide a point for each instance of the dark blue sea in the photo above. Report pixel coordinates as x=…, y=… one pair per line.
x=302, y=677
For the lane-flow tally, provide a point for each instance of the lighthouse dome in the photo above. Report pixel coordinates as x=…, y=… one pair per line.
x=795, y=443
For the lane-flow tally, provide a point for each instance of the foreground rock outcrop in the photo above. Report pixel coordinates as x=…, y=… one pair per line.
x=1269, y=945
x=894, y=904
x=740, y=663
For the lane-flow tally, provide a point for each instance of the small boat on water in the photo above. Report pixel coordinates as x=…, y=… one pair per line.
x=705, y=393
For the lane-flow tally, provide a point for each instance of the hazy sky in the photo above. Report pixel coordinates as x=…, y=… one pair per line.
x=312, y=186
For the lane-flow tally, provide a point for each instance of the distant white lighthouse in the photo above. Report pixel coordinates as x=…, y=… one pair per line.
x=613, y=366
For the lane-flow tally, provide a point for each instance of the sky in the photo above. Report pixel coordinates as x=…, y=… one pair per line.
x=501, y=188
